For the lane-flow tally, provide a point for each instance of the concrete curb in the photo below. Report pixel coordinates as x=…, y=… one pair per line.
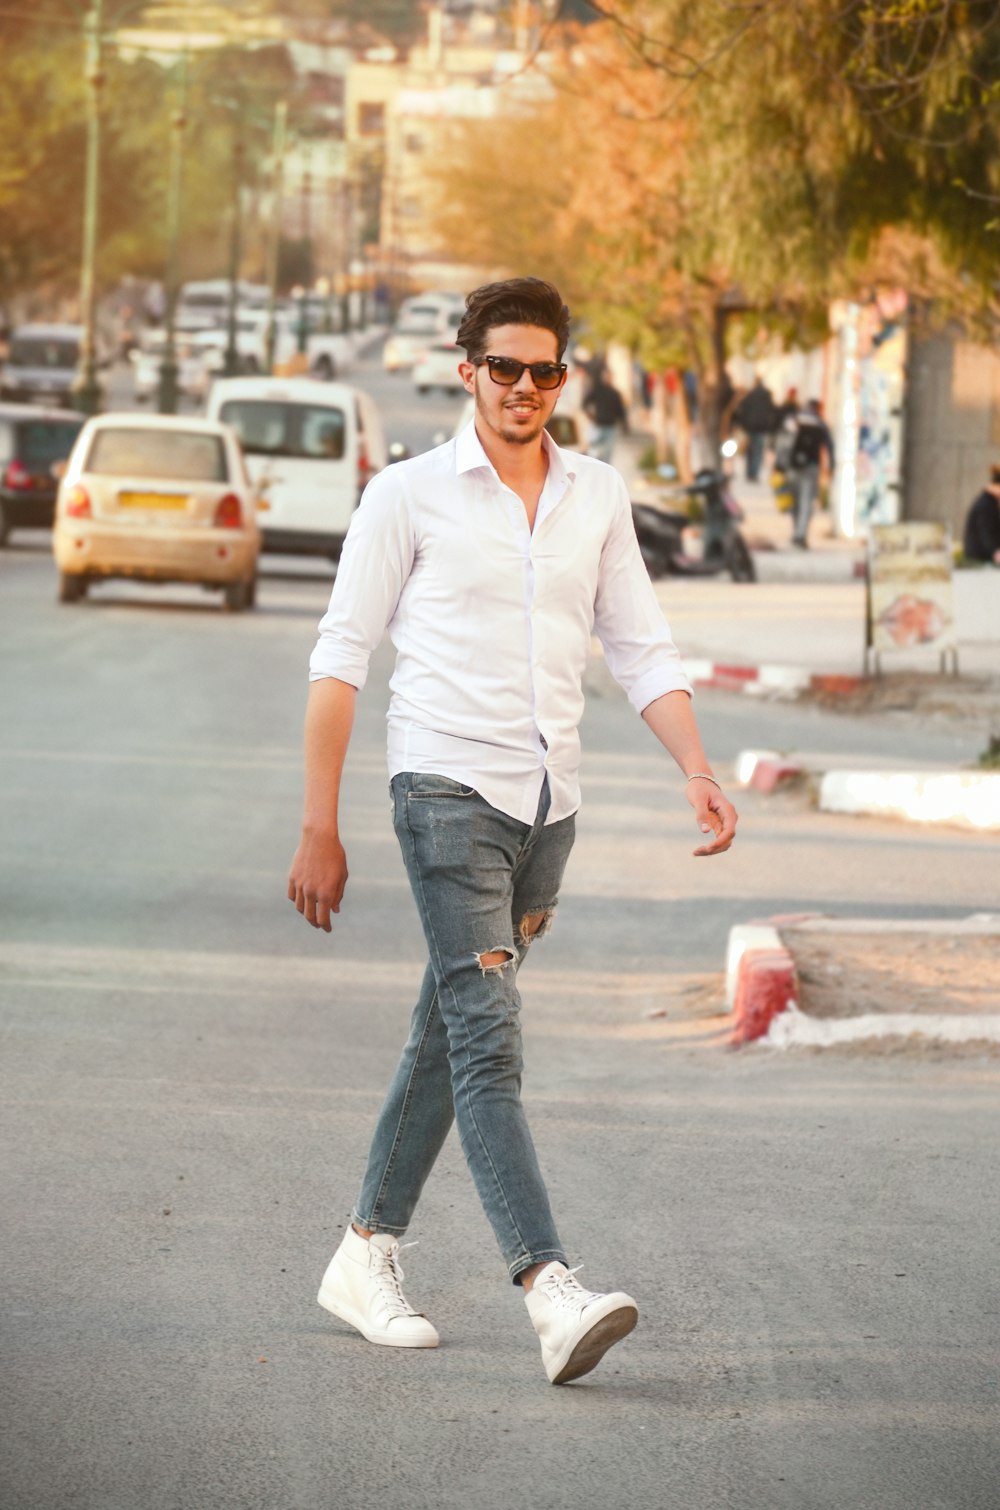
x=769, y=680
x=967, y=799
x=760, y=980
x=762, y=989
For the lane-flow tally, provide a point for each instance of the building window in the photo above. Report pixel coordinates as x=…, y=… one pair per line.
x=371, y=118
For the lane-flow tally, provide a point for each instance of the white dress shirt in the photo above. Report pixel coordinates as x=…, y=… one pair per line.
x=491, y=621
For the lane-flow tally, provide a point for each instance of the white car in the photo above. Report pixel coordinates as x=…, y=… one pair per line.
x=311, y=448
x=437, y=367
x=157, y=499
x=406, y=342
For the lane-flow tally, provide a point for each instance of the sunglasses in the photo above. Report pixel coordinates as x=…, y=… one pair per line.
x=507, y=371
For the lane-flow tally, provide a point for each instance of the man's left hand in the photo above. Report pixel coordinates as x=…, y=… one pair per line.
x=715, y=814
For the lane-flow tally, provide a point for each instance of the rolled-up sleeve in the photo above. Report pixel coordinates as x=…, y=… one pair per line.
x=374, y=564
x=628, y=620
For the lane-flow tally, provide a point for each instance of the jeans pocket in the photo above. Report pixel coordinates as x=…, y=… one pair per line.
x=427, y=784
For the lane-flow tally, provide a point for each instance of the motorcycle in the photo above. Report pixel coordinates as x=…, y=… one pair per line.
x=660, y=532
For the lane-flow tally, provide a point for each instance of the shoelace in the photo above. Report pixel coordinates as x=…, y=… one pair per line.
x=388, y=1275
x=564, y=1290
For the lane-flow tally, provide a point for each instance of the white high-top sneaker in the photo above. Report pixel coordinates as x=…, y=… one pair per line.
x=363, y=1286
x=576, y=1327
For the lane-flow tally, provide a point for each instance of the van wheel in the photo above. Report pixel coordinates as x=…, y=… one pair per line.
x=236, y=596
x=72, y=587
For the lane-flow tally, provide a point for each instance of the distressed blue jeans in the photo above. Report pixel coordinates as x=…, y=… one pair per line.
x=482, y=883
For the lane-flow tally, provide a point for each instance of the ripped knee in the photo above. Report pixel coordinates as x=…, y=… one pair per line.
x=535, y=925
x=495, y=960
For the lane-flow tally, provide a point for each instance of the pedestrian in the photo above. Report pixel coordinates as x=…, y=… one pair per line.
x=810, y=451
x=605, y=409
x=490, y=560
x=757, y=416
x=982, y=523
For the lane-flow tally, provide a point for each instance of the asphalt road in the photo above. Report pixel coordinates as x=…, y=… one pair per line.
x=190, y=1076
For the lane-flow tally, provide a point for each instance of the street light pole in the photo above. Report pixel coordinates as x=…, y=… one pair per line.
x=302, y=334
x=274, y=247
x=168, y=369
x=86, y=389
x=232, y=365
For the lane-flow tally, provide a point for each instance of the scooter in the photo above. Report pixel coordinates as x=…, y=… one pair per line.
x=660, y=532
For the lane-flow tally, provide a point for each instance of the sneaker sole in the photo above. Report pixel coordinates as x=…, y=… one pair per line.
x=352, y=1318
x=588, y=1352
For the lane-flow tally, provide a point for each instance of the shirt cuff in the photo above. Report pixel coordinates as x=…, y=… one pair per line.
x=326, y=662
x=656, y=683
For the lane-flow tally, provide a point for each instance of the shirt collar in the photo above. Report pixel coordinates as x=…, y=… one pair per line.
x=469, y=455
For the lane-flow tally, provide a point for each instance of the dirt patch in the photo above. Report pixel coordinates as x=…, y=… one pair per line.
x=962, y=697
x=846, y=975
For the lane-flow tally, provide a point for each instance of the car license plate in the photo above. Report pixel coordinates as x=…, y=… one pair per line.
x=153, y=500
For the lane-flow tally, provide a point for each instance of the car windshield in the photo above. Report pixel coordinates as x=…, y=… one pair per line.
x=270, y=427
x=188, y=455
x=34, y=351
x=41, y=442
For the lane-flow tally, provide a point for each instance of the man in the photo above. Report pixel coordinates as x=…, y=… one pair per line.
x=757, y=416
x=490, y=560
x=809, y=453
x=982, y=523
x=604, y=408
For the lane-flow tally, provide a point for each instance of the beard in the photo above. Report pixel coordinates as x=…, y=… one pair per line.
x=515, y=435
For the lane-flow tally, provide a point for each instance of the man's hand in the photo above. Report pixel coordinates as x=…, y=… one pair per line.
x=317, y=878
x=715, y=814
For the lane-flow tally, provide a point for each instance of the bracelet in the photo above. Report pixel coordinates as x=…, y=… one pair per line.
x=703, y=776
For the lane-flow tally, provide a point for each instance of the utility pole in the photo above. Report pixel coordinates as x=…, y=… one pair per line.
x=86, y=389
x=274, y=247
x=303, y=329
x=232, y=366
x=168, y=370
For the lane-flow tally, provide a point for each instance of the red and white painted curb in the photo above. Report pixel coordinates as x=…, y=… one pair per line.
x=968, y=799
x=762, y=990
x=767, y=680
x=760, y=980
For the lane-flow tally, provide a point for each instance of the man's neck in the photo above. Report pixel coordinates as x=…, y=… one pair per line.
x=519, y=466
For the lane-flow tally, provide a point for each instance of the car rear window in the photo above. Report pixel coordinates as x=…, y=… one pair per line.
x=271, y=427
x=133, y=452
x=36, y=352
x=40, y=442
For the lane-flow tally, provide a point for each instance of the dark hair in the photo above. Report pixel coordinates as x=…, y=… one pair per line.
x=995, y=476
x=515, y=301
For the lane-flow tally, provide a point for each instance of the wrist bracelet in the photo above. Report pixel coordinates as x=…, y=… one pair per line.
x=703, y=776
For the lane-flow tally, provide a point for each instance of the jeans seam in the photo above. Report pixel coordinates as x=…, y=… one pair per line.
x=454, y=995
x=403, y=1112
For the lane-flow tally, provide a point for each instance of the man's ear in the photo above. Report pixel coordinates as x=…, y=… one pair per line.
x=467, y=372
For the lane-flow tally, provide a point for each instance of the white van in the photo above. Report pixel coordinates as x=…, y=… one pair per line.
x=311, y=448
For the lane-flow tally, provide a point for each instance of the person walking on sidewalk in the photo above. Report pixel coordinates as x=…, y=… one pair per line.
x=809, y=452
x=756, y=415
x=605, y=409
x=490, y=560
x=981, y=537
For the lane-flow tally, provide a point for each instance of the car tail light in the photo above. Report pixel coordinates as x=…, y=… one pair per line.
x=77, y=504
x=228, y=514
x=17, y=476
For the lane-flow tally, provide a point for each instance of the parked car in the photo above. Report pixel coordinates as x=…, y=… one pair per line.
x=147, y=362
x=42, y=363
x=407, y=340
x=157, y=499
x=437, y=367
x=34, y=446
x=311, y=448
